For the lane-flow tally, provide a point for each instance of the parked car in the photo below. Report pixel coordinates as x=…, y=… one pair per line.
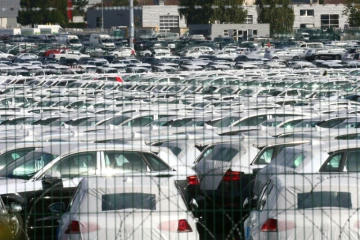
x=103, y=208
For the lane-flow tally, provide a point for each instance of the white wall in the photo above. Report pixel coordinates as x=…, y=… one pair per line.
x=151, y=15
x=318, y=11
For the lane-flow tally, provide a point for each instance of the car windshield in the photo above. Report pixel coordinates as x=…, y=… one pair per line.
x=28, y=165
x=221, y=153
x=74, y=41
x=106, y=40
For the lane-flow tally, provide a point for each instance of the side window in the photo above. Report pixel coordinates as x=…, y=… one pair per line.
x=252, y=121
x=156, y=164
x=140, y=121
x=353, y=162
x=265, y=157
x=332, y=164
x=79, y=164
x=11, y=156
x=205, y=153
x=123, y=161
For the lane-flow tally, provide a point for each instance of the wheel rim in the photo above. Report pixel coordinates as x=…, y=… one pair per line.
x=15, y=225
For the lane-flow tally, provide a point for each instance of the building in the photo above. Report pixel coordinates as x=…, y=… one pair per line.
x=165, y=18
x=236, y=31
x=9, y=13
x=319, y=16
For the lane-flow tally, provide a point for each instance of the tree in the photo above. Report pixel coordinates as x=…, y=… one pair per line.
x=228, y=11
x=196, y=11
x=123, y=3
x=352, y=11
x=277, y=13
x=79, y=7
x=43, y=12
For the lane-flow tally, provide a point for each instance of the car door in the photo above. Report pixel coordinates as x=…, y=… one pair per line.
x=256, y=218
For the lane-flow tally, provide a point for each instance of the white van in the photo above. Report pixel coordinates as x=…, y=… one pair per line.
x=102, y=40
x=71, y=40
x=166, y=36
x=312, y=45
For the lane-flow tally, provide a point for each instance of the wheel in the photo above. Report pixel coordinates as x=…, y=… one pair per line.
x=275, y=58
x=116, y=56
x=296, y=58
x=17, y=226
x=147, y=55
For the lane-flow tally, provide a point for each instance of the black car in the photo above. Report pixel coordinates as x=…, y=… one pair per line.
x=36, y=219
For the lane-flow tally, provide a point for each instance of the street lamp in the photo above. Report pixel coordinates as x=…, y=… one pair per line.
x=131, y=36
x=102, y=15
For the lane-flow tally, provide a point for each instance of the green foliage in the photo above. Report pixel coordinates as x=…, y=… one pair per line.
x=277, y=13
x=79, y=7
x=353, y=13
x=196, y=11
x=44, y=16
x=123, y=3
x=232, y=14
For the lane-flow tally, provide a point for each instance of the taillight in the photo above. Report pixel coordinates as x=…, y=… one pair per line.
x=118, y=79
x=184, y=226
x=175, y=226
x=73, y=228
x=269, y=226
x=274, y=225
x=132, y=52
x=193, y=180
x=76, y=227
x=231, y=176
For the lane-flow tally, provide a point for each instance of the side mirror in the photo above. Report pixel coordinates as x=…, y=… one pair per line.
x=15, y=208
x=58, y=207
x=193, y=204
x=248, y=204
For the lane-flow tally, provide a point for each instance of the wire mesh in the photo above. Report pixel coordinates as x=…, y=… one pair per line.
x=265, y=150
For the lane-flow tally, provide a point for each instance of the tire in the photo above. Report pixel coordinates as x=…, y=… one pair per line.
x=275, y=58
x=296, y=58
x=147, y=55
x=116, y=56
x=17, y=226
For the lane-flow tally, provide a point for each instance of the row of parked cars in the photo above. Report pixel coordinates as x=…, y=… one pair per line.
x=185, y=155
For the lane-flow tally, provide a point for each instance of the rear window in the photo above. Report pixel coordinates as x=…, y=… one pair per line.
x=119, y=201
x=221, y=153
x=324, y=199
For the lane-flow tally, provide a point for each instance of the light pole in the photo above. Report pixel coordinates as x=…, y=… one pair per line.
x=102, y=15
x=131, y=35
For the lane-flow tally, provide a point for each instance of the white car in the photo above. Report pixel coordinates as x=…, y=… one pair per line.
x=295, y=206
x=6, y=55
x=27, y=56
x=197, y=51
x=126, y=207
x=123, y=52
x=157, y=52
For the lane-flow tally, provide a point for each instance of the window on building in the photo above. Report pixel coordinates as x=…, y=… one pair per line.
x=255, y=33
x=98, y=22
x=167, y=22
x=307, y=12
x=226, y=32
x=330, y=21
x=249, y=19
